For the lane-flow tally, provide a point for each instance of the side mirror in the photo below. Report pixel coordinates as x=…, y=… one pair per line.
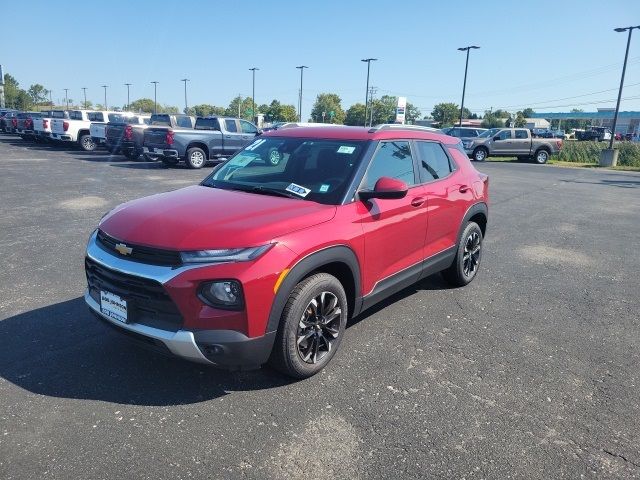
x=497, y=137
x=385, y=188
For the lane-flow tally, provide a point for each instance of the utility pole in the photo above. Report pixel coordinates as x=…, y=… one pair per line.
x=253, y=95
x=186, y=107
x=105, y=96
x=239, y=104
x=128, y=102
x=366, y=96
x=51, y=98
x=301, y=67
x=464, y=84
x=372, y=92
x=624, y=68
x=155, y=96
x=66, y=97
x=84, y=91
x=2, y=104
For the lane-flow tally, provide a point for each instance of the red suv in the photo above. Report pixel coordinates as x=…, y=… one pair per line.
x=272, y=253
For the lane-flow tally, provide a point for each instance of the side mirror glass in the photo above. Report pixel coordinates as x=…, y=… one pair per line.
x=386, y=188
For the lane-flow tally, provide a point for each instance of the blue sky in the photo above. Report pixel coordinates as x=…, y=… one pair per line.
x=550, y=55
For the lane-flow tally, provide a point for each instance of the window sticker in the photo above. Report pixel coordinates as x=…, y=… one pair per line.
x=324, y=188
x=255, y=144
x=242, y=160
x=298, y=190
x=346, y=149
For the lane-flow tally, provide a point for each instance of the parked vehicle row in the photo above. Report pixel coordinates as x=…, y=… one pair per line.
x=169, y=138
x=509, y=142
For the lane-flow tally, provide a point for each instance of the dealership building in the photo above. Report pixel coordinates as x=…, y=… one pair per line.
x=628, y=122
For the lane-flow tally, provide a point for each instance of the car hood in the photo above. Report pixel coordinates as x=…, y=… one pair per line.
x=198, y=218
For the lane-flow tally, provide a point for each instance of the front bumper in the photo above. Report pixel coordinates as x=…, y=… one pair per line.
x=220, y=347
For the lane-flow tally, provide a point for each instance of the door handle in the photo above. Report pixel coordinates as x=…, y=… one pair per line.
x=464, y=188
x=416, y=202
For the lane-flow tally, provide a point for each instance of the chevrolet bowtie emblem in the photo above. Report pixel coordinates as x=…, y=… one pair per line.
x=123, y=249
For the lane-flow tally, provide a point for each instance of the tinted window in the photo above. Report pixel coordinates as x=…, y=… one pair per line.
x=59, y=114
x=393, y=159
x=230, y=125
x=248, y=127
x=75, y=115
x=120, y=118
x=184, y=122
x=434, y=163
x=161, y=120
x=504, y=135
x=146, y=121
x=521, y=134
x=207, y=124
x=95, y=117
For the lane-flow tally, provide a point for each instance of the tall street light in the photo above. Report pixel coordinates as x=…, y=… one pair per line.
x=185, y=80
x=464, y=85
x=155, y=97
x=66, y=97
x=624, y=68
x=253, y=94
x=84, y=91
x=301, y=67
x=105, y=96
x=366, y=96
x=128, y=102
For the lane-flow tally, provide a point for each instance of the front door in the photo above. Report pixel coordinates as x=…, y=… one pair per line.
x=501, y=144
x=233, y=140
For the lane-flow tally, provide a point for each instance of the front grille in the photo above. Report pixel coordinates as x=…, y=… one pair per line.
x=147, y=301
x=139, y=253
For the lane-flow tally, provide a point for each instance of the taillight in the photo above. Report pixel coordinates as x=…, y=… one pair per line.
x=45, y=123
x=128, y=133
x=169, y=138
x=14, y=122
x=28, y=123
x=559, y=143
x=65, y=126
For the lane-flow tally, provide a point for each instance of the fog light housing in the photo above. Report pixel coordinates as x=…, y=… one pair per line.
x=224, y=294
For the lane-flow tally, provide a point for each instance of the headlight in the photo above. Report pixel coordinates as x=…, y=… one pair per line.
x=225, y=294
x=224, y=255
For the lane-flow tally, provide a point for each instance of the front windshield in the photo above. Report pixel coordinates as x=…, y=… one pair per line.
x=489, y=133
x=311, y=169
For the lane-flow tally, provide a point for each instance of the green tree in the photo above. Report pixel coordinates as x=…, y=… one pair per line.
x=527, y=112
x=412, y=113
x=38, y=94
x=446, y=114
x=246, y=106
x=278, y=112
x=142, y=105
x=327, y=103
x=501, y=114
x=168, y=109
x=15, y=96
x=491, y=121
x=205, y=110
x=355, y=115
x=520, y=121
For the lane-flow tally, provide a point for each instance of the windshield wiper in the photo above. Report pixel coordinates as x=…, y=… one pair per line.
x=260, y=190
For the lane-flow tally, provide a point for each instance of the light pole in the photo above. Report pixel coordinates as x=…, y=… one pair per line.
x=464, y=84
x=84, y=91
x=105, y=96
x=366, y=95
x=624, y=68
x=155, y=97
x=301, y=67
x=128, y=102
x=185, y=80
x=66, y=97
x=51, y=98
x=253, y=94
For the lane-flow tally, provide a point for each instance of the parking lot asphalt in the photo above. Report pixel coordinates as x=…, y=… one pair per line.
x=529, y=372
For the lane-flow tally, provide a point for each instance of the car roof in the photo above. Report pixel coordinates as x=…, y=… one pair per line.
x=339, y=132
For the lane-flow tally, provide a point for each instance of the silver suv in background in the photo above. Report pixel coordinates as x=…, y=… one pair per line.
x=464, y=132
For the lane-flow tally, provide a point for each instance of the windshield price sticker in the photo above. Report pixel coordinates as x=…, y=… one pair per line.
x=255, y=144
x=324, y=188
x=242, y=160
x=346, y=149
x=298, y=190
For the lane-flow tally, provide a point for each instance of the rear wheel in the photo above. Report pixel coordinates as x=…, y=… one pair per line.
x=311, y=327
x=86, y=143
x=465, y=266
x=542, y=156
x=196, y=158
x=480, y=154
x=131, y=154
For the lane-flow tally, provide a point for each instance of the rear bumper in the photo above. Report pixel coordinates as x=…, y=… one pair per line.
x=158, y=152
x=61, y=137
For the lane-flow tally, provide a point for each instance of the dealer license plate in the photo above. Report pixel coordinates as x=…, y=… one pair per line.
x=113, y=306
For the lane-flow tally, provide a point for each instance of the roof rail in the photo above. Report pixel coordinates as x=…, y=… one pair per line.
x=398, y=126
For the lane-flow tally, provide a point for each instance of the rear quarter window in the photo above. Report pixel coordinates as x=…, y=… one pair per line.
x=75, y=115
x=95, y=117
x=184, y=122
x=162, y=120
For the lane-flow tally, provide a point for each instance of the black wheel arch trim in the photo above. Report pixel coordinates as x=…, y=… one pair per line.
x=473, y=210
x=311, y=263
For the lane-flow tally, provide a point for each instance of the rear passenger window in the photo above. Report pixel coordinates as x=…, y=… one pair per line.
x=95, y=117
x=393, y=159
x=434, y=162
x=521, y=134
x=231, y=125
x=75, y=115
x=184, y=122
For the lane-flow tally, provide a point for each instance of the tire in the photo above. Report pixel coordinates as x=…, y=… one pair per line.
x=86, y=143
x=131, y=154
x=467, y=261
x=309, y=337
x=541, y=156
x=195, y=157
x=480, y=154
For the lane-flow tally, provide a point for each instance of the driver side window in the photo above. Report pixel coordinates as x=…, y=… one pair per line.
x=392, y=159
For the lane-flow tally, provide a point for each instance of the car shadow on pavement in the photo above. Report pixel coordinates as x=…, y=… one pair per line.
x=62, y=351
x=609, y=183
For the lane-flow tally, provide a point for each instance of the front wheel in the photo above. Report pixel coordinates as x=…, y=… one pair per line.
x=86, y=143
x=542, y=156
x=196, y=157
x=311, y=326
x=467, y=261
x=480, y=154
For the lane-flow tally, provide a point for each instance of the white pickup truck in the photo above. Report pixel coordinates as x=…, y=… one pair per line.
x=42, y=126
x=99, y=121
x=76, y=129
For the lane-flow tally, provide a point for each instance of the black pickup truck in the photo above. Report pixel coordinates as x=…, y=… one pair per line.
x=212, y=138
x=127, y=136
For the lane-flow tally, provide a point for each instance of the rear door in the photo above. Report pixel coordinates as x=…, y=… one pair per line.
x=394, y=230
x=521, y=142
